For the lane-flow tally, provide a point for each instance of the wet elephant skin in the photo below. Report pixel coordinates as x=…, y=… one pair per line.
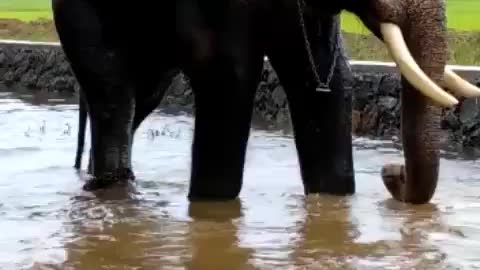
x=123, y=66
x=220, y=47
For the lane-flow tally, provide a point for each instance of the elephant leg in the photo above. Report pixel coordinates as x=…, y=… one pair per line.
x=146, y=102
x=111, y=131
x=224, y=66
x=102, y=73
x=224, y=95
x=321, y=120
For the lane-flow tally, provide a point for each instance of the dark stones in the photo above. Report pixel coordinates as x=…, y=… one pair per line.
x=469, y=112
x=451, y=121
x=376, y=103
x=3, y=59
x=389, y=85
x=38, y=69
x=63, y=84
x=279, y=97
x=387, y=103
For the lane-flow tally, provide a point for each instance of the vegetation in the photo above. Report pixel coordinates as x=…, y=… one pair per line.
x=25, y=10
x=462, y=15
x=31, y=19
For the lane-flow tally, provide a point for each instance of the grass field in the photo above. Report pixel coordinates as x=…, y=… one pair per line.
x=463, y=20
x=25, y=10
x=463, y=15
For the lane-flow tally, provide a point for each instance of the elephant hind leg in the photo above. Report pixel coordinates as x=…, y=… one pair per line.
x=106, y=87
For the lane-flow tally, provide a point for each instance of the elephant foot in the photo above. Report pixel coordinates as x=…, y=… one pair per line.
x=213, y=193
x=209, y=198
x=393, y=176
x=337, y=185
x=109, y=179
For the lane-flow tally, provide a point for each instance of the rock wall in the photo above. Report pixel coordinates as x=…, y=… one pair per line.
x=375, y=94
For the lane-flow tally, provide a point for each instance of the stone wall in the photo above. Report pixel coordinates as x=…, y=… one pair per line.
x=43, y=67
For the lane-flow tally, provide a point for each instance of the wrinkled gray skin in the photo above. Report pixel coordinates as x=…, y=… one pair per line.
x=220, y=46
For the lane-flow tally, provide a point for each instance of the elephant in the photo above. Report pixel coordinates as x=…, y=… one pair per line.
x=154, y=101
x=220, y=46
x=82, y=127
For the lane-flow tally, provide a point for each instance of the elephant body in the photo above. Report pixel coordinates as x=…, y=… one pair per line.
x=221, y=48
x=123, y=55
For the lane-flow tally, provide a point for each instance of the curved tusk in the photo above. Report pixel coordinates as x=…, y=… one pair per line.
x=393, y=38
x=459, y=85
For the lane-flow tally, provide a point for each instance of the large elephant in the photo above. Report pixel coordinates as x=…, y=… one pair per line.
x=121, y=54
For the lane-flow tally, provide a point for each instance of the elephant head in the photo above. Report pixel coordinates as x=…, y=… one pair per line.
x=414, y=32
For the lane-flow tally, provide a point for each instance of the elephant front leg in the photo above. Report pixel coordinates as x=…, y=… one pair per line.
x=321, y=120
x=322, y=127
x=102, y=72
x=224, y=104
x=111, y=133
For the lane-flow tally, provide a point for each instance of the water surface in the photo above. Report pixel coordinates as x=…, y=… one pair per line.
x=48, y=222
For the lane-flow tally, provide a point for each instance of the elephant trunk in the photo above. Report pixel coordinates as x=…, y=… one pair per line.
x=425, y=37
x=415, y=34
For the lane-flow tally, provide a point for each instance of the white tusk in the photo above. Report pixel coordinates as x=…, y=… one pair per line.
x=460, y=86
x=392, y=35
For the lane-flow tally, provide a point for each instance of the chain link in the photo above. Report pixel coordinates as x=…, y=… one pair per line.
x=321, y=87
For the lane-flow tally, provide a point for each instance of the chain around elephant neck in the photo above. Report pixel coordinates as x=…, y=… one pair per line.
x=322, y=86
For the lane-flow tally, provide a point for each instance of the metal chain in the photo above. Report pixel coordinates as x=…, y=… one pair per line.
x=321, y=87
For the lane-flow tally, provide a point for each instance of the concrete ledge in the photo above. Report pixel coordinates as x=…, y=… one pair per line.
x=26, y=43
x=468, y=72
x=42, y=66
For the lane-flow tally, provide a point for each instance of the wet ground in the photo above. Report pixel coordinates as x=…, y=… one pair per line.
x=48, y=222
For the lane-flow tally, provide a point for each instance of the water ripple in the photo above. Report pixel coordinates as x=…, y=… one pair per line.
x=52, y=224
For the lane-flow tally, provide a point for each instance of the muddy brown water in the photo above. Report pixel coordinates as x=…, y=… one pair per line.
x=48, y=222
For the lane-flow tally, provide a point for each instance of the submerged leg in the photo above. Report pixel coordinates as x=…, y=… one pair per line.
x=321, y=120
x=224, y=104
x=104, y=78
x=224, y=82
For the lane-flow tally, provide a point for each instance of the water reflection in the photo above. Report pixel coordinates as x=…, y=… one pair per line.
x=52, y=224
x=415, y=224
x=115, y=231
x=213, y=237
x=326, y=232
x=329, y=237
x=99, y=223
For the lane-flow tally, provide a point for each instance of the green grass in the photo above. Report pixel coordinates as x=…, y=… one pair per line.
x=463, y=15
x=25, y=10
x=27, y=15
x=463, y=18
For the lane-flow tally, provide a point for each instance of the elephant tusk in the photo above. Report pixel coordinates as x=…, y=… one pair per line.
x=393, y=38
x=459, y=86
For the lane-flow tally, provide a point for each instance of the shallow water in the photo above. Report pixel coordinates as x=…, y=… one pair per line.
x=48, y=222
